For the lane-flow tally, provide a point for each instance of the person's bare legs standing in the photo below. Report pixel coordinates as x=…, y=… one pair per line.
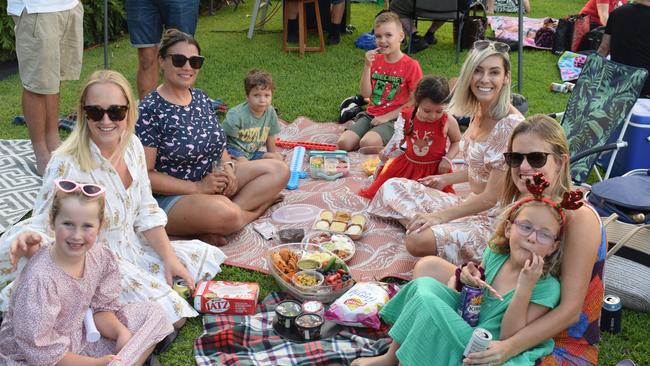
x=336, y=17
x=49, y=48
x=147, y=76
x=42, y=117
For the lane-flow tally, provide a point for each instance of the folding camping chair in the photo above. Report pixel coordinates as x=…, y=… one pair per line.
x=599, y=107
x=441, y=10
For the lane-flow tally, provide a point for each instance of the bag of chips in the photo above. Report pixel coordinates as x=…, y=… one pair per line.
x=360, y=305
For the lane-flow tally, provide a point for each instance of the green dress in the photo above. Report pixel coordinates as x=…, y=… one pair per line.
x=428, y=327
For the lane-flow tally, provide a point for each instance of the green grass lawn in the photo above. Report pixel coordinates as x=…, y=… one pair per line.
x=313, y=86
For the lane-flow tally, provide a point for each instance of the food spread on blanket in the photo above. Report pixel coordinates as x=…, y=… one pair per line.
x=339, y=244
x=226, y=297
x=341, y=222
x=359, y=306
x=370, y=165
x=309, y=269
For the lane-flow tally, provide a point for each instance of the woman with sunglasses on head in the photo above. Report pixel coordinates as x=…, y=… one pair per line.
x=69, y=281
x=538, y=145
x=104, y=150
x=445, y=224
x=203, y=191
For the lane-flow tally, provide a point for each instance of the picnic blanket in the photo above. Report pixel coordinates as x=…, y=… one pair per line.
x=19, y=183
x=379, y=253
x=506, y=27
x=570, y=65
x=251, y=340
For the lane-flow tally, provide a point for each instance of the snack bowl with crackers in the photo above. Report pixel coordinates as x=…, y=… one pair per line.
x=339, y=244
x=300, y=269
x=341, y=222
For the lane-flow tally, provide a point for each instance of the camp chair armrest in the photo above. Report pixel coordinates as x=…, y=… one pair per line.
x=598, y=150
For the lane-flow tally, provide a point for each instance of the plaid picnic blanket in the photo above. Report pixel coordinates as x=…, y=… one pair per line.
x=251, y=340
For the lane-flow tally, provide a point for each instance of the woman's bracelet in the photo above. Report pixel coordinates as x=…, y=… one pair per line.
x=459, y=284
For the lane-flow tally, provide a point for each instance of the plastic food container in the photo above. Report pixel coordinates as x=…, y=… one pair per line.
x=340, y=244
x=307, y=281
x=283, y=265
x=286, y=312
x=309, y=325
x=329, y=165
x=341, y=222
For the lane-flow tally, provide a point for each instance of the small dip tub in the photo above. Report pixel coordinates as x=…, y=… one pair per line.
x=309, y=326
x=313, y=307
x=286, y=313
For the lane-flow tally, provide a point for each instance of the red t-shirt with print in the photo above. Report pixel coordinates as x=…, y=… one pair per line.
x=591, y=9
x=392, y=83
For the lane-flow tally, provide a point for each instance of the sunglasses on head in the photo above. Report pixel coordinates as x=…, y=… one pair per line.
x=179, y=60
x=535, y=159
x=115, y=113
x=88, y=189
x=498, y=46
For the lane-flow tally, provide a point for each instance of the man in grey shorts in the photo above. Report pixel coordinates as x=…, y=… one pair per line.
x=49, y=46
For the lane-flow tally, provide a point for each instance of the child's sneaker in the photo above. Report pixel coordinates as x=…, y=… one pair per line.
x=357, y=99
x=349, y=112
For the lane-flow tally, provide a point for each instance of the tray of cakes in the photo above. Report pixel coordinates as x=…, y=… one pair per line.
x=341, y=222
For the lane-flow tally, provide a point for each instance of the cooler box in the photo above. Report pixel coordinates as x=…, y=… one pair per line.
x=637, y=154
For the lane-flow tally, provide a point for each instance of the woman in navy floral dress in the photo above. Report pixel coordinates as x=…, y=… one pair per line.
x=195, y=181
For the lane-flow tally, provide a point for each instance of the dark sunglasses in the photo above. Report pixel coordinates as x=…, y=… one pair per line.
x=179, y=60
x=535, y=159
x=498, y=46
x=115, y=113
x=67, y=186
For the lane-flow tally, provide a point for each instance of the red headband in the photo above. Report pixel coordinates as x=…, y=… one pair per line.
x=570, y=201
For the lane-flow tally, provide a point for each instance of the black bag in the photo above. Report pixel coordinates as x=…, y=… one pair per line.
x=628, y=196
x=569, y=33
x=591, y=41
x=474, y=26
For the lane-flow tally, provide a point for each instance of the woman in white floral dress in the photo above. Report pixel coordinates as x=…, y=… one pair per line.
x=103, y=149
x=445, y=224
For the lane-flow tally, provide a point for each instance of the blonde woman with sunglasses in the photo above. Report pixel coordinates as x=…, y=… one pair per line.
x=205, y=193
x=445, y=224
x=103, y=150
x=538, y=145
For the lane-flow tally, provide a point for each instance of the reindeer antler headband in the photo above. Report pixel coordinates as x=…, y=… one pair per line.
x=570, y=201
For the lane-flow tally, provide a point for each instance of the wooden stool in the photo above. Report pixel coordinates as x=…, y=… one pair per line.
x=302, y=29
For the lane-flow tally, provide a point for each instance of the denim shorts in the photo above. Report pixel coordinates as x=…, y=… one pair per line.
x=234, y=153
x=167, y=202
x=146, y=19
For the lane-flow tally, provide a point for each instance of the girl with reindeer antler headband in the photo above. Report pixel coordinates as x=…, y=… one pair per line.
x=519, y=277
x=425, y=128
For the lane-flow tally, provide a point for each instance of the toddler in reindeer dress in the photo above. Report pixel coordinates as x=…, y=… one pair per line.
x=426, y=130
x=426, y=144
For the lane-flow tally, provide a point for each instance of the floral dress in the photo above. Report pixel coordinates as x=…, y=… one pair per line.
x=129, y=212
x=60, y=301
x=463, y=239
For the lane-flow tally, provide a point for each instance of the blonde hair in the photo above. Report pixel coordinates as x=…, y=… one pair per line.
x=77, y=144
x=498, y=243
x=548, y=130
x=463, y=101
x=60, y=196
x=388, y=17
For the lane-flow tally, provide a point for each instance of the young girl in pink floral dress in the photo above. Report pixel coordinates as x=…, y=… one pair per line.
x=426, y=129
x=44, y=324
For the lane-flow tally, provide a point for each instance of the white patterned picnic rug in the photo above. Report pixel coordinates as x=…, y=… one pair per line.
x=19, y=183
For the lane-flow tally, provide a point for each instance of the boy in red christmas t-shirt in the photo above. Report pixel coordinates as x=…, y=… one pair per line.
x=388, y=78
